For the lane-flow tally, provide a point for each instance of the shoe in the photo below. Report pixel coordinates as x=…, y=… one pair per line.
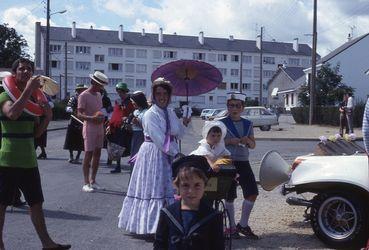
x=58, y=247
x=109, y=162
x=19, y=203
x=96, y=186
x=42, y=156
x=247, y=232
x=70, y=160
x=231, y=233
x=87, y=188
x=116, y=171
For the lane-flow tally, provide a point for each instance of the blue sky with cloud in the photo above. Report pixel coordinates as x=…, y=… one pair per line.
x=283, y=20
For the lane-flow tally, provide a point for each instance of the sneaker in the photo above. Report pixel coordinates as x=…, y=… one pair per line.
x=87, y=188
x=247, y=232
x=231, y=233
x=96, y=186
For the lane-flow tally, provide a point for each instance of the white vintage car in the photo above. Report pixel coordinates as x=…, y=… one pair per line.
x=339, y=209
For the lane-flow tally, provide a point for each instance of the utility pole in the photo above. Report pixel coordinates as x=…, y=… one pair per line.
x=261, y=68
x=47, y=42
x=313, y=69
x=241, y=72
x=65, y=70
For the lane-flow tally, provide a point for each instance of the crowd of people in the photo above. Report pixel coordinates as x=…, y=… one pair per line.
x=172, y=211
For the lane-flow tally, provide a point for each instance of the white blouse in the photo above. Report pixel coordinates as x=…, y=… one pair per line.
x=154, y=126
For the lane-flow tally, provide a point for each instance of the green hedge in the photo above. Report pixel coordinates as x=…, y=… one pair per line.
x=327, y=115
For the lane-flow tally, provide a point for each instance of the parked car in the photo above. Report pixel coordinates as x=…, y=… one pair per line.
x=338, y=209
x=204, y=112
x=259, y=116
x=212, y=113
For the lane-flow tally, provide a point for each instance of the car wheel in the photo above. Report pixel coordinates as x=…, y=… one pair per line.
x=339, y=220
x=265, y=128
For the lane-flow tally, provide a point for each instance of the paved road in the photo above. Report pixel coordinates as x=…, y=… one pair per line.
x=89, y=221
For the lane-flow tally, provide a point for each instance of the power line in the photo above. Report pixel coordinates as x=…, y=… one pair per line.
x=28, y=15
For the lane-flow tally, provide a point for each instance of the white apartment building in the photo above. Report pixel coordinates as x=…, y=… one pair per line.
x=131, y=57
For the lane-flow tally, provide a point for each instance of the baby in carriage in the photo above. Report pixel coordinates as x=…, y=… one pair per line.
x=212, y=145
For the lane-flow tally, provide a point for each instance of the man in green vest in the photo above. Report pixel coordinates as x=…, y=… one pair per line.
x=18, y=163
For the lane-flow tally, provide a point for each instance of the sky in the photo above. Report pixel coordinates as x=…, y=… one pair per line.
x=283, y=20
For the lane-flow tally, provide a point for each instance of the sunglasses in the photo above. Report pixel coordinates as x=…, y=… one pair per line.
x=234, y=106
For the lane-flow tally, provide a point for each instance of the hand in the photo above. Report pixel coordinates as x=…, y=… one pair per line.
x=186, y=121
x=234, y=141
x=245, y=140
x=98, y=118
x=135, y=121
x=33, y=83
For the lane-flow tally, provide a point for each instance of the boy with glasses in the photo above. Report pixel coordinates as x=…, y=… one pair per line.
x=238, y=140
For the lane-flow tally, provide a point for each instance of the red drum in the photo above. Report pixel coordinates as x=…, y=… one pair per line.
x=31, y=108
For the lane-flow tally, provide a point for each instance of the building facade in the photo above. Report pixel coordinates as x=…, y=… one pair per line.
x=131, y=57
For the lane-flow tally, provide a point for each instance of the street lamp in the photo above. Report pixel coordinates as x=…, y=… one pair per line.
x=47, y=52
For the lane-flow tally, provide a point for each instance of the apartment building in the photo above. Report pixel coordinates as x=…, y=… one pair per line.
x=131, y=57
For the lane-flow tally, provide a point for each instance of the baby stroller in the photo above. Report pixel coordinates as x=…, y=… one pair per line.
x=217, y=187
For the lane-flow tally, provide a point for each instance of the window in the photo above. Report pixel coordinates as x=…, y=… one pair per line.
x=156, y=54
x=130, y=68
x=198, y=56
x=83, y=65
x=212, y=57
x=114, y=81
x=234, y=58
x=222, y=57
x=234, y=72
x=140, y=83
x=286, y=99
x=70, y=49
x=115, y=67
x=198, y=99
x=221, y=100
x=170, y=54
x=247, y=72
x=210, y=98
x=268, y=73
x=115, y=52
x=234, y=86
x=269, y=60
x=292, y=96
x=83, y=80
x=247, y=59
x=130, y=53
x=293, y=61
x=130, y=82
x=222, y=85
x=70, y=65
x=55, y=48
x=55, y=64
x=223, y=71
x=257, y=60
x=256, y=86
x=83, y=50
x=256, y=72
x=246, y=86
x=141, y=53
x=265, y=86
x=99, y=58
x=305, y=62
x=141, y=68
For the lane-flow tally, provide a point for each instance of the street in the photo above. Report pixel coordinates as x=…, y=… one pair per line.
x=89, y=220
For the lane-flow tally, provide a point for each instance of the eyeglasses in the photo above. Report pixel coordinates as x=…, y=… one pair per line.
x=234, y=106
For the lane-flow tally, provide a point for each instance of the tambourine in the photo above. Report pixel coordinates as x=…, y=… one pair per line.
x=49, y=86
x=32, y=108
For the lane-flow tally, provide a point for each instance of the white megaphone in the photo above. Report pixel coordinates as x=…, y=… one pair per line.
x=274, y=170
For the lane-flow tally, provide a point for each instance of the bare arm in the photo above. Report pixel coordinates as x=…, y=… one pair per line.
x=249, y=141
x=40, y=127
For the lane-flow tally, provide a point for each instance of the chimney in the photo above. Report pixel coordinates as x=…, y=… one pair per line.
x=231, y=38
x=120, y=33
x=258, y=42
x=296, y=45
x=160, y=37
x=349, y=37
x=201, y=37
x=74, y=31
x=143, y=32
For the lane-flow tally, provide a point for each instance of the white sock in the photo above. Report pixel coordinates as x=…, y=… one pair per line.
x=246, y=211
x=230, y=208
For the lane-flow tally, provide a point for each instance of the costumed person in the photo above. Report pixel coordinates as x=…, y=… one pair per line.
x=73, y=138
x=117, y=132
x=140, y=104
x=190, y=223
x=239, y=139
x=89, y=110
x=212, y=145
x=18, y=168
x=150, y=187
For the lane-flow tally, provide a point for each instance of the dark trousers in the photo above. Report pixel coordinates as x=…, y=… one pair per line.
x=343, y=124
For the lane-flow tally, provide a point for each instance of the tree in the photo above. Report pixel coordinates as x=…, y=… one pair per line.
x=329, y=87
x=12, y=46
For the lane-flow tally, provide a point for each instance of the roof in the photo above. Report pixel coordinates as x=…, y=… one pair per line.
x=173, y=41
x=340, y=49
x=292, y=72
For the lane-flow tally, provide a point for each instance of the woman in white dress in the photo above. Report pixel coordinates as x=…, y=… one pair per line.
x=151, y=187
